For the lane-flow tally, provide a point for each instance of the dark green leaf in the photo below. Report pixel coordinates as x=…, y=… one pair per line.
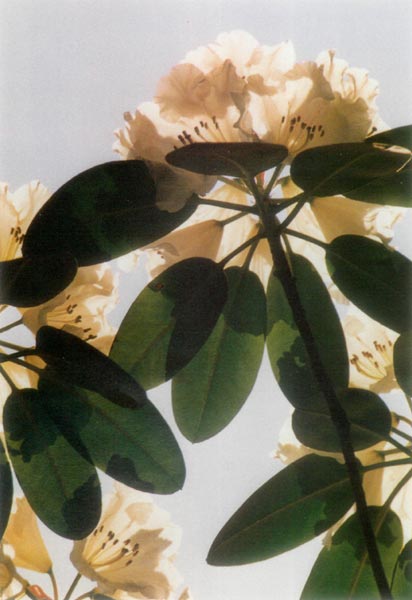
x=402, y=579
x=212, y=388
x=102, y=213
x=369, y=416
x=290, y=361
x=62, y=488
x=402, y=361
x=233, y=158
x=394, y=190
x=400, y=136
x=343, y=571
x=170, y=321
x=341, y=168
x=297, y=504
x=33, y=280
x=6, y=490
x=375, y=278
x=76, y=362
x=135, y=447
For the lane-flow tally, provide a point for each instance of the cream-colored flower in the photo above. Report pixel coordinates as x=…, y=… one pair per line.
x=23, y=541
x=122, y=595
x=21, y=377
x=9, y=586
x=132, y=548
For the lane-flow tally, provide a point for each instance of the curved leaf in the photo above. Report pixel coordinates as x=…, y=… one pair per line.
x=170, y=321
x=293, y=507
x=228, y=158
x=399, y=136
x=402, y=577
x=369, y=416
x=288, y=357
x=393, y=190
x=343, y=569
x=402, y=361
x=33, y=280
x=375, y=278
x=102, y=213
x=135, y=447
x=78, y=363
x=6, y=490
x=62, y=488
x=213, y=387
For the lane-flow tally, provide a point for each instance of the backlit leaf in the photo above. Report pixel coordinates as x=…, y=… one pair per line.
x=6, y=490
x=402, y=577
x=402, y=361
x=399, y=136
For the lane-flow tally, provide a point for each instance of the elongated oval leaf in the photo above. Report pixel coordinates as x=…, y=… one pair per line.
x=343, y=571
x=341, y=168
x=402, y=577
x=102, y=213
x=399, y=136
x=402, y=361
x=394, y=190
x=287, y=353
x=76, y=362
x=62, y=488
x=296, y=505
x=6, y=490
x=33, y=280
x=375, y=278
x=170, y=320
x=228, y=158
x=369, y=417
x=213, y=387
x=135, y=447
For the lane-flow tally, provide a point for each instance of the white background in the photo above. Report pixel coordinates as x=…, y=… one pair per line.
x=69, y=69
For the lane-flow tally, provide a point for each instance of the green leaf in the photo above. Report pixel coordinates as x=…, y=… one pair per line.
x=213, y=387
x=62, y=488
x=341, y=168
x=297, y=504
x=170, y=321
x=78, y=363
x=287, y=353
x=135, y=447
x=402, y=361
x=402, y=578
x=375, y=278
x=394, y=190
x=102, y=213
x=6, y=490
x=369, y=416
x=33, y=280
x=231, y=158
x=400, y=136
x=343, y=571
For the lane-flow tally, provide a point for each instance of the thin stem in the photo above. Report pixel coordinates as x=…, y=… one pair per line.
x=11, y=346
x=402, y=434
x=50, y=573
x=8, y=379
x=397, y=489
x=399, y=446
x=228, y=205
x=11, y=325
x=293, y=213
x=72, y=586
x=85, y=595
x=273, y=180
x=11, y=357
x=234, y=183
x=231, y=219
x=403, y=418
x=387, y=463
x=238, y=250
x=307, y=238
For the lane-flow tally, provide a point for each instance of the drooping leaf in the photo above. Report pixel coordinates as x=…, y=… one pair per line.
x=375, y=278
x=399, y=136
x=170, y=320
x=343, y=571
x=76, y=362
x=294, y=506
x=231, y=158
x=369, y=416
x=102, y=213
x=6, y=490
x=402, y=361
x=135, y=447
x=213, y=387
x=35, y=279
x=402, y=577
x=341, y=168
x=287, y=353
x=62, y=488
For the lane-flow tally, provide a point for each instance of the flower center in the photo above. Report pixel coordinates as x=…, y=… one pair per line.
x=295, y=132
x=69, y=313
x=373, y=364
x=112, y=552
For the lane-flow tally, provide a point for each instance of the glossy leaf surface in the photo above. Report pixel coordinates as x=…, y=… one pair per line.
x=6, y=490
x=228, y=158
x=343, y=570
x=62, y=488
x=294, y=506
x=399, y=136
x=402, y=578
x=134, y=446
x=77, y=362
x=213, y=387
x=102, y=213
x=375, y=278
x=402, y=361
x=288, y=357
x=170, y=321
x=33, y=280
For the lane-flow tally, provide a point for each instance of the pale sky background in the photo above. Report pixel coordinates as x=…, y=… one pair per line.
x=69, y=69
